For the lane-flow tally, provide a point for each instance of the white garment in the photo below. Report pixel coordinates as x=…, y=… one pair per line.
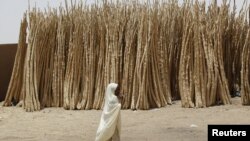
x=110, y=124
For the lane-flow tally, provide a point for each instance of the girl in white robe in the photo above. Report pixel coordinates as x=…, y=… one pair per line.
x=110, y=124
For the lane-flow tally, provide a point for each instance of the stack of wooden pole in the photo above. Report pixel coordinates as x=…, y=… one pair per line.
x=15, y=90
x=245, y=56
x=157, y=52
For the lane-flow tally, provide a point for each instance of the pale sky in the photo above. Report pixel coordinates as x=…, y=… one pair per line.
x=11, y=13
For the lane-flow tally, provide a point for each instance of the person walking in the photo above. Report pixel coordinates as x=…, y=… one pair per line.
x=110, y=124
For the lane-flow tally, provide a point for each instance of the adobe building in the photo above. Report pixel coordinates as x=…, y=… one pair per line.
x=7, y=57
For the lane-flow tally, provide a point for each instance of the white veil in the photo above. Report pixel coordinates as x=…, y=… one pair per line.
x=110, y=119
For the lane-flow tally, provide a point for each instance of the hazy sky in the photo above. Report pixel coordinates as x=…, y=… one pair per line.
x=11, y=13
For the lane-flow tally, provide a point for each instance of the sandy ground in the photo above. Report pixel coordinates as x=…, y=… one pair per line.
x=171, y=123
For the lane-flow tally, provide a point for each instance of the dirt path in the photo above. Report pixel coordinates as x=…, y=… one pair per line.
x=168, y=123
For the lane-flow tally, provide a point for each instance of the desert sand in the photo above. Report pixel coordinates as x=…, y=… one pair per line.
x=170, y=123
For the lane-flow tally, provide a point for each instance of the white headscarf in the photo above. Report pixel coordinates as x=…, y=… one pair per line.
x=110, y=119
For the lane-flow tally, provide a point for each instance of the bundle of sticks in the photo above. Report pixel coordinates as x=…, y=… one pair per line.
x=157, y=52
